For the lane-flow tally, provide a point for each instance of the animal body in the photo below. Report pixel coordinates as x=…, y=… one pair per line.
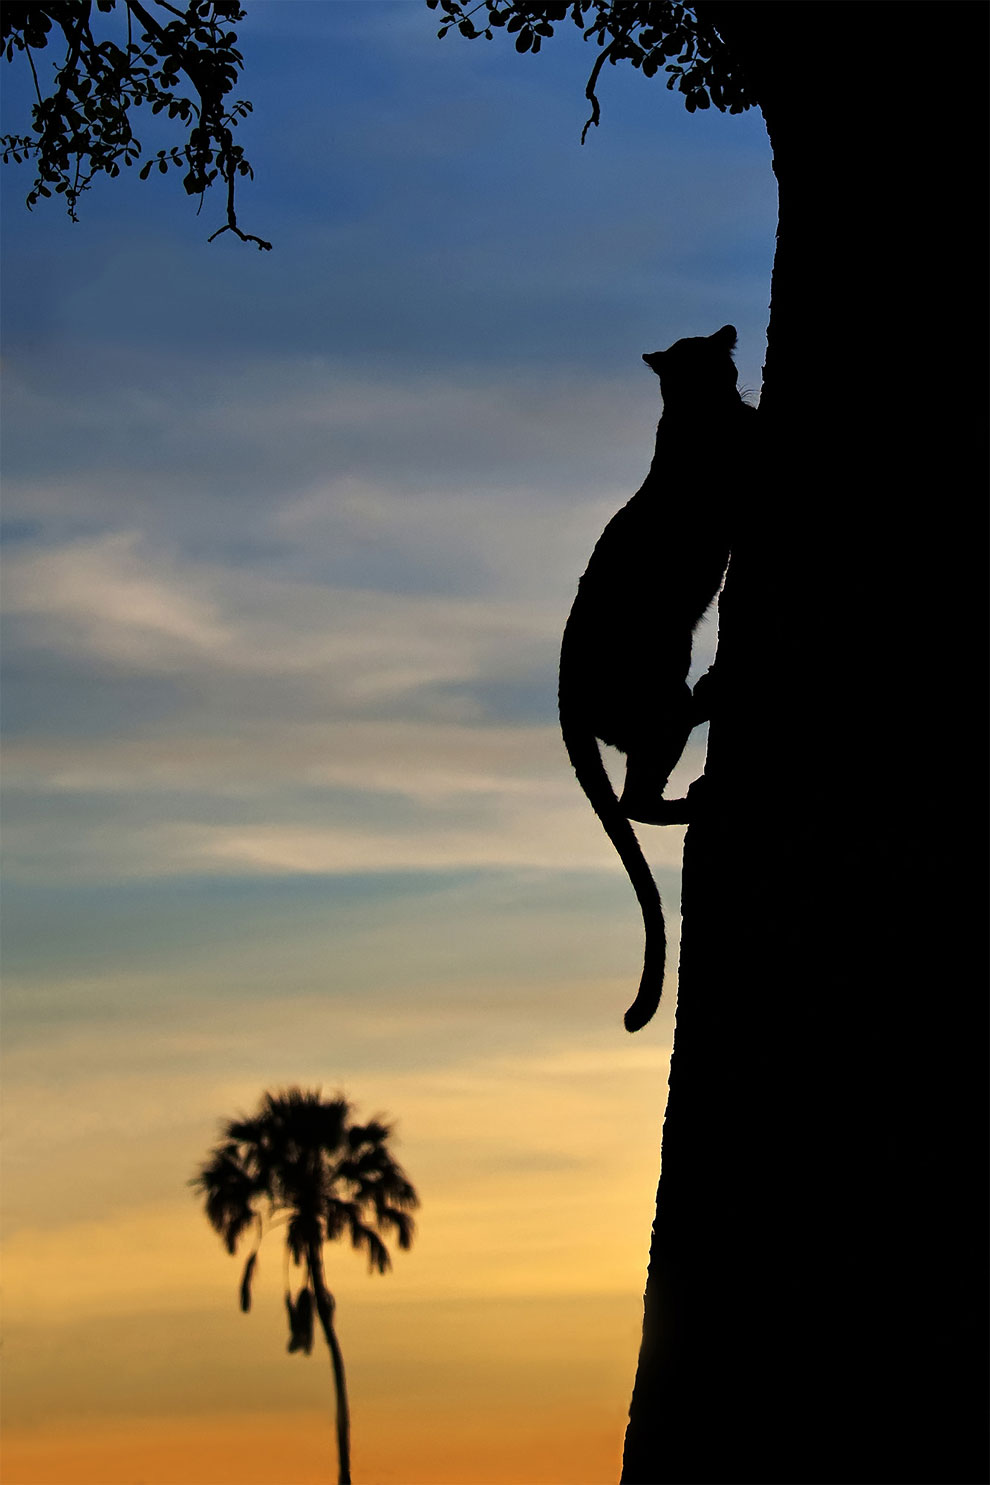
x=626, y=648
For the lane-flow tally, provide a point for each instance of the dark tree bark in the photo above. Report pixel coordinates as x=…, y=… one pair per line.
x=816, y=1303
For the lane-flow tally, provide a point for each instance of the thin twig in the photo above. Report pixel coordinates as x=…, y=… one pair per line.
x=589, y=91
x=231, y=223
x=37, y=86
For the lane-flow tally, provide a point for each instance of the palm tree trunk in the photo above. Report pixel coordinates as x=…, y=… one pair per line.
x=325, y=1309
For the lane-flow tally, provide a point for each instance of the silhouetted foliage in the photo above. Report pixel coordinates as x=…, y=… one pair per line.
x=299, y=1162
x=181, y=63
x=184, y=63
x=653, y=35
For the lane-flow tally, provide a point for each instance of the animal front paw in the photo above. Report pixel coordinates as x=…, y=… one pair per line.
x=655, y=810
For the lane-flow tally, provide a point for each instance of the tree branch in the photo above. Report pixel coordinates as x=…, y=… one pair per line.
x=589, y=91
x=231, y=223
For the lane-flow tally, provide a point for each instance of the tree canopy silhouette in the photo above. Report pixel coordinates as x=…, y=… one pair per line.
x=179, y=63
x=301, y=1163
x=652, y=35
x=816, y=1302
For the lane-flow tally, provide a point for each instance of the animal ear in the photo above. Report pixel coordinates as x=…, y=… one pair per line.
x=654, y=359
x=726, y=334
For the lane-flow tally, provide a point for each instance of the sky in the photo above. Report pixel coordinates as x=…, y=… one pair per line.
x=290, y=540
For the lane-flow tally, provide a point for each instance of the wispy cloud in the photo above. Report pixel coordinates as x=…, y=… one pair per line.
x=317, y=730
x=431, y=824
x=245, y=455
x=119, y=600
x=428, y=762
x=103, y=599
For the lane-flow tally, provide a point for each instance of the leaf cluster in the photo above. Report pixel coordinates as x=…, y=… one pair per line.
x=300, y=1162
x=184, y=67
x=652, y=35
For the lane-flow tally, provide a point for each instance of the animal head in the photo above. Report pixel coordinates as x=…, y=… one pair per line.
x=698, y=370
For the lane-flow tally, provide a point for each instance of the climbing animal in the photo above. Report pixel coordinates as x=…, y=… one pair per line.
x=626, y=648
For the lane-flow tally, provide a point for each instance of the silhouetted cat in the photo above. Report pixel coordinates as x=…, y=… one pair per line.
x=627, y=644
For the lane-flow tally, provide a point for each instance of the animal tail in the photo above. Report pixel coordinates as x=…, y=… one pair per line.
x=586, y=759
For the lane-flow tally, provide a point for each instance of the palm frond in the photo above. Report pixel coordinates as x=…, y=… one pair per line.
x=300, y=1321
x=230, y=1193
x=399, y=1190
x=244, y=1131
x=402, y=1224
x=377, y=1178
x=338, y=1216
x=375, y=1132
x=365, y=1237
x=249, y=1268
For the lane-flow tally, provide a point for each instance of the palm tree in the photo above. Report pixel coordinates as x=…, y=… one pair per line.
x=299, y=1161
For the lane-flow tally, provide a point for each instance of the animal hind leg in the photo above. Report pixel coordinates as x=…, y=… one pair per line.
x=651, y=757
x=642, y=795
x=646, y=778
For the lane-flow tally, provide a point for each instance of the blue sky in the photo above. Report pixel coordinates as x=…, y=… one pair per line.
x=291, y=539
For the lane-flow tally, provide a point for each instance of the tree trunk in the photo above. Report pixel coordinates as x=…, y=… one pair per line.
x=325, y=1308
x=815, y=1306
